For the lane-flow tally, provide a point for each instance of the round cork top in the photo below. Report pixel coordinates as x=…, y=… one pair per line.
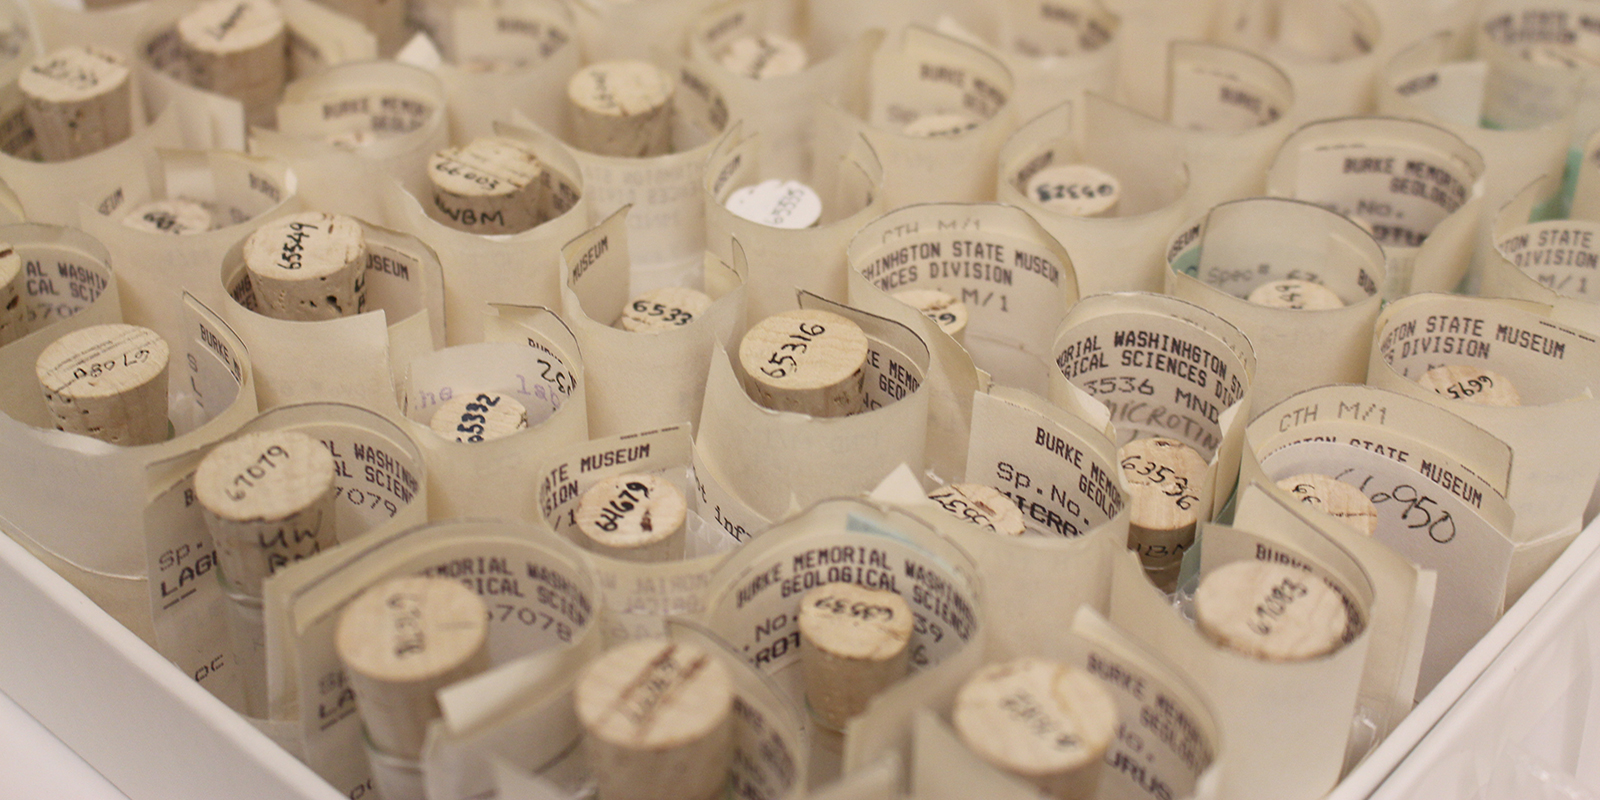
x=663, y=309
x=936, y=125
x=1164, y=477
x=803, y=349
x=628, y=511
x=101, y=361
x=652, y=694
x=73, y=74
x=1295, y=294
x=849, y=621
x=1334, y=497
x=1270, y=611
x=231, y=26
x=175, y=216
x=411, y=630
x=491, y=166
x=777, y=203
x=950, y=313
x=1472, y=384
x=620, y=88
x=1035, y=717
x=768, y=55
x=270, y=475
x=1080, y=190
x=479, y=417
x=984, y=506
x=304, y=246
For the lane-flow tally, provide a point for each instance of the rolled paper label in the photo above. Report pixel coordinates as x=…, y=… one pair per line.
x=1163, y=368
x=1217, y=262
x=1437, y=483
x=754, y=602
x=378, y=480
x=1234, y=108
x=539, y=374
x=895, y=419
x=540, y=596
x=1250, y=696
x=639, y=381
x=404, y=316
x=1116, y=253
x=377, y=118
x=236, y=191
x=1414, y=186
x=1553, y=368
x=1329, y=54
x=522, y=268
x=1549, y=262
x=637, y=597
x=1014, y=278
x=814, y=257
x=917, y=73
x=1057, y=52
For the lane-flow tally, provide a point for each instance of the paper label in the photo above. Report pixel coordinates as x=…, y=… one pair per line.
x=538, y=598
x=754, y=603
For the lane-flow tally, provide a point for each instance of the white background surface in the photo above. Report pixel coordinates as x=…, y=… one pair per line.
x=35, y=765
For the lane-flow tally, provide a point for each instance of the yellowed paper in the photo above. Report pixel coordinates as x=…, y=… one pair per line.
x=776, y=463
x=1551, y=262
x=349, y=359
x=1234, y=108
x=639, y=381
x=1216, y=262
x=155, y=269
x=1554, y=369
x=530, y=356
x=1120, y=252
x=1415, y=186
x=919, y=73
x=394, y=115
x=784, y=260
x=1165, y=368
x=522, y=268
x=1330, y=50
x=1016, y=281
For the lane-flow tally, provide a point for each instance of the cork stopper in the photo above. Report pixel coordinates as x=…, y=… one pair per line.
x=929, y=126
x=1334, y=497
x=1164, y=478
x=808, y=361
x=177, y=216
x=984, y=506
x=663, y=309
x=308, y=267
x=777, y=204
x=479, y=417
x=494, y=185
x=13, y=288
x=951, y=314
x=108, y=382
x=853, y=645
x=78, y=100
x=769, y=55
x=1472, y=384
x=1078, y=190
x=267, y=499
x=636, y=517
x=622, y=108
x=1270, y=611
x=1295, y=294
x=400, y=642
x=238, y=49
x=657, y=721
x=1043, y=721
